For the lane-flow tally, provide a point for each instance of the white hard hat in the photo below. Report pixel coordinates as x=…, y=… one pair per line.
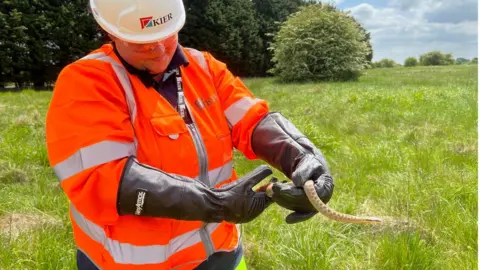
x=139, y=21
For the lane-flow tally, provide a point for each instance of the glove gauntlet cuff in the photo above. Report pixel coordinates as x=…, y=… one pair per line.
x=277, y=141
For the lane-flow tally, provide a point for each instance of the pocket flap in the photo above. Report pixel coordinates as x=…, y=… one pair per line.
x=171, y=125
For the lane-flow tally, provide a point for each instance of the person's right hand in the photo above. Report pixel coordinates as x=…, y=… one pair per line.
x=240, y=203
x=291, y=197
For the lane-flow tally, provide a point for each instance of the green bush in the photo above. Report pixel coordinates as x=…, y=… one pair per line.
x=319, y=43
x=386, y=63
x=462, y=61
x=410, y=62
x=436, y=58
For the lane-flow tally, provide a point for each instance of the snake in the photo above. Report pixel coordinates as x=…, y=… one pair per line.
x=321, y=207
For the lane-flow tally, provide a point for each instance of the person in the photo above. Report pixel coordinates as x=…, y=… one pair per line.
x=141, y=133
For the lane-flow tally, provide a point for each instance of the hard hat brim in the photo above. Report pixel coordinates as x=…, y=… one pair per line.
x=123, y=34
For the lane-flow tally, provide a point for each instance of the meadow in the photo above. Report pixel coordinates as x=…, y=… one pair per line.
x=401, y=144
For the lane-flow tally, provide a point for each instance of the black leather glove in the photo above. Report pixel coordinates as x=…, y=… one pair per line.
x=288, y=196
x=147, y=191
x=277, y=141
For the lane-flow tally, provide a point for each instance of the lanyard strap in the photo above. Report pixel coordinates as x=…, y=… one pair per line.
x=182, y=107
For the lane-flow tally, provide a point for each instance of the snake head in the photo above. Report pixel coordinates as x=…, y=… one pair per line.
x=266, y=187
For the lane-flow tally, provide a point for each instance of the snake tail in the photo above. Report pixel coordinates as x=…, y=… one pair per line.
x=321, y=207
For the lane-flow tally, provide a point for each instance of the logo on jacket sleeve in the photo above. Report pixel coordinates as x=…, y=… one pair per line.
x=202, y=103
x=141, y=194
x=147, y=22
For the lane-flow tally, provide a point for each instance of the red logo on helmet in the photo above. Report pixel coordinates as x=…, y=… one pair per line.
x=146, y=22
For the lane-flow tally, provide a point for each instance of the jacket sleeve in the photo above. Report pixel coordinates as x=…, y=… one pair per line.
x=89, y=137
x=242, y=110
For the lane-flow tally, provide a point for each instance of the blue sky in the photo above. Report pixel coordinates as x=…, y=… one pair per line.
x=403, y=28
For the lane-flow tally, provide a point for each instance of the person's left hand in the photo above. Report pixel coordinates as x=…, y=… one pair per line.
x=288, y=196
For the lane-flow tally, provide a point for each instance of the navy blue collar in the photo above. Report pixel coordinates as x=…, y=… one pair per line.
x=179, y=59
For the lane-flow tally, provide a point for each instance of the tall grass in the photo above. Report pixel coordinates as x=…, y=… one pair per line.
x=400, y=143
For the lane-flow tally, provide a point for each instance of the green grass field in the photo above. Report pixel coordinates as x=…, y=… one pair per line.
x=401, y=143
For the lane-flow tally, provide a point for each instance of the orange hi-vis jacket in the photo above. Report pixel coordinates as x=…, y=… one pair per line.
x=100, y=114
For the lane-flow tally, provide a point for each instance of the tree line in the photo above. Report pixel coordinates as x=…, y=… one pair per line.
x=433, y=58
x=39, y=37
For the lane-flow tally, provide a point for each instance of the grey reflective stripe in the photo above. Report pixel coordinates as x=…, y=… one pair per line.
x=239, y=230
x=237, y=110
x=189, y=239
x=200, y=59
x=124, y=80
x=105, y=151
x=207, y=240
x=127, y=86
x=91, y=156
x=93, y=56
x=125, y=253
x=220, y=174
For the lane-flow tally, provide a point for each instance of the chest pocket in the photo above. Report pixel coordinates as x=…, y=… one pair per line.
x=174, y=143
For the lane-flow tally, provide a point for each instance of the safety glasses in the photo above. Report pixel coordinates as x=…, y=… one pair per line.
x=150, y=47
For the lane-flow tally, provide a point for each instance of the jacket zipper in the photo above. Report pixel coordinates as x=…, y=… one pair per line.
x=201, y=153
x=203, y=160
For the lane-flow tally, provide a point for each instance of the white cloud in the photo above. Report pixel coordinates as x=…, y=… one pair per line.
x=409, y=28
x=405, y=4
x=445, y=11
x=334, y=2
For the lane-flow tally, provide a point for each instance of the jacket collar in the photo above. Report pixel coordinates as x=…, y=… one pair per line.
x=179, y=59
